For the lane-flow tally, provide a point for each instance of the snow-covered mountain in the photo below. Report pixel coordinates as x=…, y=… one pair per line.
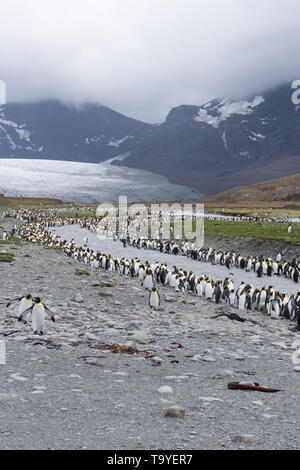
x=213, y=147
x=86, y=182
x=225, y=142
x=52, y=130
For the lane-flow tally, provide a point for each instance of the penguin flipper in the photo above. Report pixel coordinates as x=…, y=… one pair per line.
x=18, y=299
x=49, y=313
x=23, y=314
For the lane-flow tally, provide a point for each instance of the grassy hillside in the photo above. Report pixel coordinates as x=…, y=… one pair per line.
x=16, y=203
x=278, y=192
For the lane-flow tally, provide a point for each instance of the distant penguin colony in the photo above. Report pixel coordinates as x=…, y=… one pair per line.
x=245, y=297
x=150, y=275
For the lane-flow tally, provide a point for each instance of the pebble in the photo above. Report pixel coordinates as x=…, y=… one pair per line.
x=140, y=337
x=170, y=299
x=7, y=397
x=165, y=389
x=156, y=361
x=222, y=374
x=91, y=360
x=245, y=438
x=176, y=377
x=77, y=298
x=208, y=359
x=18, y=377
x=175, y=411
x=210, y=399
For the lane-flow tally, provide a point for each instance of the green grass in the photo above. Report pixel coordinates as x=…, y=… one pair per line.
x=77, y=214
x=51, y=247
x=259, y=230
x=11, y=241
x=6, y=257
x=81, y=272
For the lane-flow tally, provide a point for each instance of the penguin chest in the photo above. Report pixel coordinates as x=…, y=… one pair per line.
x=38, y=317
x=148, y=282
x=242, y=302
x=208, y=291
x=154, y=300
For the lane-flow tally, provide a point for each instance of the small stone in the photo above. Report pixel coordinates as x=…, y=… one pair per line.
x=156, y=361
x=224, y=373
x=170, y=299
x=91, y=360
x=245, y=438
x=76, y=376
x=196, y=358
x=133, y=326
x=7, y=397
x=165, y=389
x=18, y=377
x=208, y=359
x=77, y=298
x=176, y=377
x=258, y=403
x=210, y=399
x=175, y=411
x=140, y=337
x=91, y=337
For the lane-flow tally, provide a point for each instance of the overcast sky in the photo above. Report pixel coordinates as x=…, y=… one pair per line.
x=142, y=57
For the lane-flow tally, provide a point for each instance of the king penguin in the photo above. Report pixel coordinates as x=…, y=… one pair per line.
x=25, y=304
x=154, y=299
x=39, y=311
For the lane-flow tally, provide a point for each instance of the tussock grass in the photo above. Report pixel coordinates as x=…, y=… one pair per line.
x=82, y=272
x=11, y=241
x=6, y=257
x=258, y=230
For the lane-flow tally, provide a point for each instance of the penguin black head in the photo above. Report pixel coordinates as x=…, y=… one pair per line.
x=28, y=297
x=37, y=300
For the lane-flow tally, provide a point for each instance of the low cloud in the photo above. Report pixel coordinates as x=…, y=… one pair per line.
x=142, y=57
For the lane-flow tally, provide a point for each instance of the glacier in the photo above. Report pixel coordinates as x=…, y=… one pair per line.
x=87, y=182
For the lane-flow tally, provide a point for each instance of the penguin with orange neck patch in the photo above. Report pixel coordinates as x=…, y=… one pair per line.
x=38, y=311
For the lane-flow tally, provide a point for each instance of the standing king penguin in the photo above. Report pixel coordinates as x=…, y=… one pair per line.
x=39, y=311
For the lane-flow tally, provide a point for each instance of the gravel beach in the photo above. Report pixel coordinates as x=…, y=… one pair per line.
x=63, y=391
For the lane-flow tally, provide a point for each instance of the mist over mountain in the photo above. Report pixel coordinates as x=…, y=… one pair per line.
x=211, y=147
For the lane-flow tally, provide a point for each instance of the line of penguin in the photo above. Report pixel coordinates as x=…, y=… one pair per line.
x=245, y=297
x=37, y=214
x=261, y=265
